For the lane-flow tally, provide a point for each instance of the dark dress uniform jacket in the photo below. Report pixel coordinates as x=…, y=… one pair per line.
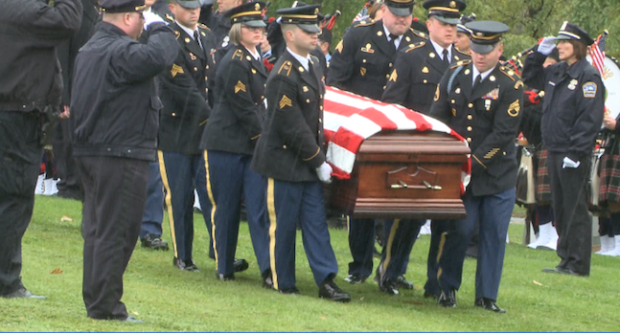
x=183, y=91
x=418, y=70
x=236, y=121
x=488, y=118
x=573, y=106
x=120, y=117
x=291, y=146
x=30, y=75
x=363, y=60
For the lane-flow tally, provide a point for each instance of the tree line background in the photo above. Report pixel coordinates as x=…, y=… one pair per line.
x=528, y=19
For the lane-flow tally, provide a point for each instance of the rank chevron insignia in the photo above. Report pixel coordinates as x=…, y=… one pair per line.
x=285, y=101
x=239, y=87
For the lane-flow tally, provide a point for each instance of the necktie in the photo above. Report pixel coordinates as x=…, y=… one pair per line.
x=477, y=83
x=393, y=41
x=197, y=38
x=446, y=59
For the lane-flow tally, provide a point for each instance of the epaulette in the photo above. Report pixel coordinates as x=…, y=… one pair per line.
x=238, y=55
x=415, y=46
x=510, y=73
x=315, y=60
x=169, y=18
x=462, y=52
x=365, y=23
x=418, y=33
x=286, y=66
x=202, y=26
x=461, y=63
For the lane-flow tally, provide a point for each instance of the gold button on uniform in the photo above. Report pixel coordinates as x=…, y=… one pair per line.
x=470, y=117
x=283, y=146
x=469, y=128
x=195, y=69
x=320, y=120
x=321, y=107
x=307, y=101
x=470, y=105
x=425, y=81
x=391, y=64
x=468, y=139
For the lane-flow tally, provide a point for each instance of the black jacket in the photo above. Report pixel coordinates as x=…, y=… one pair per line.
x=236, y=121
x=363, y=60
x=573, y=107
x=291, y=146
x=114, y=101
x=417, y=72
x=184, y=93
x=488, y=118
x=30, y=31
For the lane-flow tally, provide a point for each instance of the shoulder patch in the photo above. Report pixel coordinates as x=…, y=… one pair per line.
x=204, y=27
x=238, y=55
x=461, y=63
x=365, y=23
x=285, y=101
x=514, y=108
x=510, y=73
x=415, y=46
x=286, y=66
x=589, y=89
x=177, y=34
x=418, y=33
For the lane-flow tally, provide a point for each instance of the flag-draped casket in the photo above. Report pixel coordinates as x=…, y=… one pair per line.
x=391, y=162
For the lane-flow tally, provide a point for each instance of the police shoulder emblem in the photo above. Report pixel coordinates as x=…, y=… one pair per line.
x=589, y=89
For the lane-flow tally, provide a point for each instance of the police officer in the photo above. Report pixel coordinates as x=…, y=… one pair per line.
x=361, y=64
x=417, y=71
x=573, y=111
x=114, y=119
x=481, y=101
x=230, y=138
x=183, y=91
x=30, y=30
x=291, y=153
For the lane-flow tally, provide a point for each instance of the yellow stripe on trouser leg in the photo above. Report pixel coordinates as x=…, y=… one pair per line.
x=213, y=207
x=442, y=243
x=164, y=180
x=271, y=207
x=388, y=254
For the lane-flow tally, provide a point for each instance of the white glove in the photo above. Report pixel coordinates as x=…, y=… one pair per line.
x=325, y=173
x=150, y=17
x=568, y=163
x=547, y=45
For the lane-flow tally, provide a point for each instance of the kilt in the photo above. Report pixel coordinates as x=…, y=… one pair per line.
x=610, y=178
x=543, y=181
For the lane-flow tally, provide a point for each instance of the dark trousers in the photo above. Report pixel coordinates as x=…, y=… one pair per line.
x=181, y=174
x=362, y=245
x=20, y=158
x=289, y=203
x=609, y=226
x=493, y=212
x=114, y=199
x=154, y=210
x=570, y=206
x=69, y=184
x=439, y=229
x=231, y=178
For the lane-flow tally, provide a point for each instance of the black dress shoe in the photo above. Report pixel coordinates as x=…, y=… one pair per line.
x=401, y=282
x=154, y=242
x=489, y=304
x=224, y=277
x=23, y=293
x=132, y=320
x=329, y=290
x=560, y=270
x=289, y=291
x=267, y=280
x=447, y=300
x=389, y=287
x=355, y=278
x=185, y=265
x=240, y=265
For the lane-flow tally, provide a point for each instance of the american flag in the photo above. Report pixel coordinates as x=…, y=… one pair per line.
x=363, y=13
x=597, y=52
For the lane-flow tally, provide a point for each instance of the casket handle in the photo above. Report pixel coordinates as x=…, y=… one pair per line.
x=427, y=186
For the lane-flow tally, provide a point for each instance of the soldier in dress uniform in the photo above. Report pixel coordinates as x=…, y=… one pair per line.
x=291, y=153
x=462, y=34
x=481, y=100
x=417, y=71
x=230, y=138
x=361, y=64
x=219, y=23
x=183, y=91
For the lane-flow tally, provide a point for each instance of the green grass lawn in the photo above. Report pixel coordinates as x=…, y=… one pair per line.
x=171, y=300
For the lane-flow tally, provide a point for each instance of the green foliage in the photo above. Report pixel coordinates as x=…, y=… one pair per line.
x=171, y=300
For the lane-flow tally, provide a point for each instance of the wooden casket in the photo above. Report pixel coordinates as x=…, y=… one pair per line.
x=404, y=174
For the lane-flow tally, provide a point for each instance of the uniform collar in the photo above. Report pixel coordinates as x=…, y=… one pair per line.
x=483, y=76
x=303, y=61
x=254, y=54
x=439, y=49
x=186, y=29
x=576, y=69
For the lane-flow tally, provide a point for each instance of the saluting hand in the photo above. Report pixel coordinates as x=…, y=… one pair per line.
x=609, y=122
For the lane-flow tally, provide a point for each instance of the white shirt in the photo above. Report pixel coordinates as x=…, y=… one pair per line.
x=387, y=35
x=483, y=76
x=439, y=50
x=303, y=61
x=190, y=32
x=254, y=54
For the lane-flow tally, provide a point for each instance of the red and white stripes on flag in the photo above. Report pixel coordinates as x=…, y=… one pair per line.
x=597, y=53
x=350, y=118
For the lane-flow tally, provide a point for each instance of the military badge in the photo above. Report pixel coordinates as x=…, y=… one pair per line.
x=589, y=90
x=492, y=95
